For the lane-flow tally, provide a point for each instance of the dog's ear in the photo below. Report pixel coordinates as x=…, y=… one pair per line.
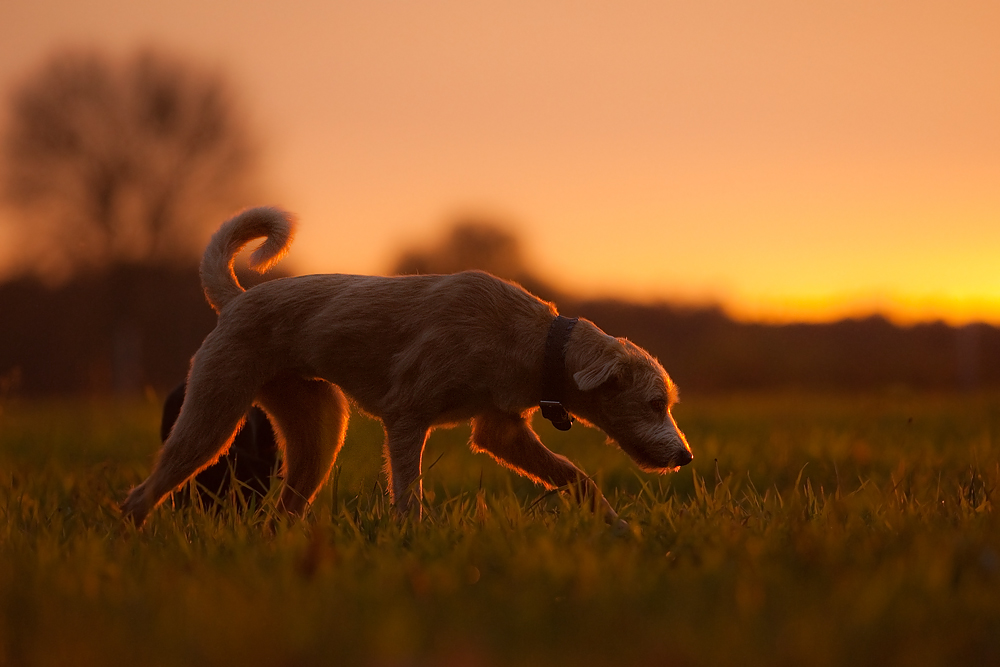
x=608, y=362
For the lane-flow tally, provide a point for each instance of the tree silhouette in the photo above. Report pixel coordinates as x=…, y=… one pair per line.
x=469, y=244
x=475, y=243
x=122, y=160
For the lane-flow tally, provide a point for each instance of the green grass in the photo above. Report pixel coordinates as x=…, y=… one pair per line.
x=809, y=530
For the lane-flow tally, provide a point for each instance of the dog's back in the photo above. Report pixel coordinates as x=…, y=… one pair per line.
x=386, y=339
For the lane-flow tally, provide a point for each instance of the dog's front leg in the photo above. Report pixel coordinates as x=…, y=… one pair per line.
x=404, y=449
x=511, y=441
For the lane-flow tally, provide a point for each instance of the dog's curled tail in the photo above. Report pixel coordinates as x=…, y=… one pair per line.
x=217, y=276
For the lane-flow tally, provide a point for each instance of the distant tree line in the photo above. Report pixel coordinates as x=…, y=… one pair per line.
x=120, y=331
x=137, y=326
x=705, y=351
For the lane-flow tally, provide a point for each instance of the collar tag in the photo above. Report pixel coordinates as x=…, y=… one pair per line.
x=556, y=413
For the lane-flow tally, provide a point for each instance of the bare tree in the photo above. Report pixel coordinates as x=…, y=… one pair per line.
x=122, y=160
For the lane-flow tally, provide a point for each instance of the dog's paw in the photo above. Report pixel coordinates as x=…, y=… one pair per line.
x=134, y=509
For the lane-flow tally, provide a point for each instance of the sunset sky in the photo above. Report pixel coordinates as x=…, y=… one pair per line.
x=790, y=160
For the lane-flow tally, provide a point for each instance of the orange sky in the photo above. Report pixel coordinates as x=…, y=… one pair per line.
x=793, y=160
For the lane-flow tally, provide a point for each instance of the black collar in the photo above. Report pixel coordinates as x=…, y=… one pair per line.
x=554, y=373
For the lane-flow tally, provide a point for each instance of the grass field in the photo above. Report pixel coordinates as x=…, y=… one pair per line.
x=808, y=531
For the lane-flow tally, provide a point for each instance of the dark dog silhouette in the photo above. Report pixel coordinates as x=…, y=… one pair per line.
x=251, y=459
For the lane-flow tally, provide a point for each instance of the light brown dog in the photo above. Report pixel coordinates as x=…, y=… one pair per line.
x=415, y=351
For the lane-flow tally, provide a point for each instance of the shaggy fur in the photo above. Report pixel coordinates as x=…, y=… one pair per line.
x=415, y=351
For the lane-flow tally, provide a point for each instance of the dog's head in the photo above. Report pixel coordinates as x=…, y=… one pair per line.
x=624, y=391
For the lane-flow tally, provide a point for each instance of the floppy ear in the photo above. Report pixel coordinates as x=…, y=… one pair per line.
x=608, y=362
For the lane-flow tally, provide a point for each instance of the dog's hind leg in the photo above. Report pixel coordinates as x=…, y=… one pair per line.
x=309, y=419
x=511, y=441
x=214, y=408
x=404, y=450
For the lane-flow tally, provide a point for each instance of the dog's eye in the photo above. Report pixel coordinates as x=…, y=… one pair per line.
x=658, y=405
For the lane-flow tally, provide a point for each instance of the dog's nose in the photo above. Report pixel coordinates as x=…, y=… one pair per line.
x=684, y=458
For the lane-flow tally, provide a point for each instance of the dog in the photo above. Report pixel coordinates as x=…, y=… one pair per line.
x=417, y=352
x=251, y=458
